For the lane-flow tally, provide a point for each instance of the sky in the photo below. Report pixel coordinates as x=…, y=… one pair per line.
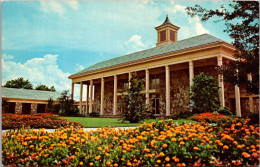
x=47, y=41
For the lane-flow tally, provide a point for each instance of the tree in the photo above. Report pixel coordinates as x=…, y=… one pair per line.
x=133, y=104
x=45, y=88
x=204, y=94
x=67, y=104
x=242, y=25
x=19, y=83
x=53, y=107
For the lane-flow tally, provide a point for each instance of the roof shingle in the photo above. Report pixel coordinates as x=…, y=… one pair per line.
x=29, y=94
x=162, y=49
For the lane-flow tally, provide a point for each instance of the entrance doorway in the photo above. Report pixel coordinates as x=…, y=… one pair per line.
x=11, y=107
x=26, y=108
x=41, y=108
x=155, y=105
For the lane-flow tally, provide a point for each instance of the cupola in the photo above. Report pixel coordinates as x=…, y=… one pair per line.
x=166, y=32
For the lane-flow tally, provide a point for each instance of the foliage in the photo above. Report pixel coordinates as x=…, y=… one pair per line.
x=225, y=111
x=94, y=114
x=204, y=94
x=67, y=104
x=53, y=107
x=242, y=22
x=209, y=117
x=45, y=88
x=183, y=115
x=157, y=144
x=43, y=120
x=19, y=83
x=133, y=104
x=254, y=118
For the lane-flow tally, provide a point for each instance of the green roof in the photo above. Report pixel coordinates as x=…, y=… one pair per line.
x=155, y=51
x=29, y=94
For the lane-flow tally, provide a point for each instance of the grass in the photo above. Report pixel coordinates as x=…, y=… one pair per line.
x=114, y=122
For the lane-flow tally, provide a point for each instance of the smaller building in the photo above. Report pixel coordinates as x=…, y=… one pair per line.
x=26, y=101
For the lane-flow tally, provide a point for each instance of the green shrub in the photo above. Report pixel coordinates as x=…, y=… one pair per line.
x=94, y=114
x=204, y=94
x=133, y=104
x=225, y=111
x=183, y=115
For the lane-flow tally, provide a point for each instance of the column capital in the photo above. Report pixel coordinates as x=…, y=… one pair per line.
x=190, y=62
x=167, y=67
x=219, y=57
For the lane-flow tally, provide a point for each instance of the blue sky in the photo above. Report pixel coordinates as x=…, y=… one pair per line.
x=46, y=42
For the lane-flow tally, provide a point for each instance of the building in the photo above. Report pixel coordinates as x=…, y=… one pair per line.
x=26, y=101
x=168, y=70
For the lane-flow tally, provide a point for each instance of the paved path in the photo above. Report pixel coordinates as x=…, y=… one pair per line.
x=86, y=129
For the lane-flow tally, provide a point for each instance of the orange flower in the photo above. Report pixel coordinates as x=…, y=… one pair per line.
x=116, y=165
x=165, y=146
x=182, y=143
x=81, y=163
x=225, y=147
x=239, y=147
x=158, y=161
x=108, y=163
x=177, y=160
x=91, y=164
x=167, y=159
x=168, y=164
x=195, y=148
x=99, y=148
x=255, y=155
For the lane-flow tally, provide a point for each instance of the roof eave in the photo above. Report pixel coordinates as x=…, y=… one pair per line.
x=101, y=69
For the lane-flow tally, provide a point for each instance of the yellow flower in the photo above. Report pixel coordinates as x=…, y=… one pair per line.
x=165, y=146
x=168, y=164
x=91, y=164
x=167, y=159
x=99, y=148
x=158, y=161
x=81, y=163
x=182, y=143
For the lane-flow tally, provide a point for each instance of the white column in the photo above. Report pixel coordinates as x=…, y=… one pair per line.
x=129, y=77
x=91, y=96
x=72, y=91
x=86, y=100
x=251, y=104
x=191, y=72
x=115, y=95
x=80, y=98
x=102, y=97
x=167, y=76
x=221, y=84
x=147, y=86
x=238, y=106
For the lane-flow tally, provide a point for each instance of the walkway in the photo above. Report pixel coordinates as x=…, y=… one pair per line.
x=85, y=129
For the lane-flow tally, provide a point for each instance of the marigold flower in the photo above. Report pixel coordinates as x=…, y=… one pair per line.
x=177, y=160
x=182, y=143
x=165, y=146
x=167, y=159
x=158, y=161
x=108, y=163
x=91, y=164
x=225, y=147
x=195, y=148
x=115, y=164
x=81, y=163
x=99, y=148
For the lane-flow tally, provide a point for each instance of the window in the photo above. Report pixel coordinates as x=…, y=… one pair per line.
x=163, y=35
x=155, y=83
x=126, y=85
x=172, y=35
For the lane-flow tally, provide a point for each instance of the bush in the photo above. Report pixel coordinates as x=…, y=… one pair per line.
x=133, y=104
x=43, y=120
x=182, y=115
x=204, y=94
x=224, y=111
x=209, y=117
x=94, y=114
x=254, y=118
x=162, y=143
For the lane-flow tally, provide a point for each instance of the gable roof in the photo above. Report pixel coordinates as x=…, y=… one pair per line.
x=29, y=94
x=162, y=49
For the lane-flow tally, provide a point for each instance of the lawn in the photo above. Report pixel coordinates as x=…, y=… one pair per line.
x=115, y=122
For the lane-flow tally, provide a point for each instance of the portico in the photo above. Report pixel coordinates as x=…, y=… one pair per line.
x=168, y=70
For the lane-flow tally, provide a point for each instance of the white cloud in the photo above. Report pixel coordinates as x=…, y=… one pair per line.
x=74, y=4
x=6, y=57
x=135, y=43
x=58, y=7
x=79, y=67
x=52, y=7
x=192, y=26
x=38, y=71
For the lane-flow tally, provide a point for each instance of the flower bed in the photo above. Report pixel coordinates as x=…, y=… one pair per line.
x=209, y=117
x=44, y=120
x=156, y=144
